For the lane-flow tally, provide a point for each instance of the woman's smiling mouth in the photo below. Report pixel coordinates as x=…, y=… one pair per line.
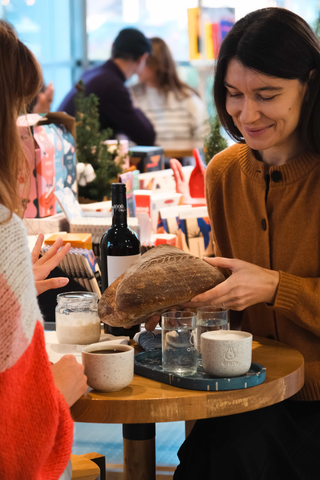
x=255, y=132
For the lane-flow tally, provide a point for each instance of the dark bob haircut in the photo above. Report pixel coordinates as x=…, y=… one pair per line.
x=278, y=43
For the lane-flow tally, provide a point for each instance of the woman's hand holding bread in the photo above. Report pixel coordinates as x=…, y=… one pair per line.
x=247, y=285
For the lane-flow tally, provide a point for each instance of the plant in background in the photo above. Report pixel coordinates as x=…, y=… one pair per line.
x=214, y=142
x=91, y=149
x=316, y=28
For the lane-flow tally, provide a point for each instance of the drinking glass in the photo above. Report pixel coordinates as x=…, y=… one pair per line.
x=209, y=319
x=179, y=354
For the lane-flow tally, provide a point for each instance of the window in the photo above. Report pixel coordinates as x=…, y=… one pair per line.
x=53, y=31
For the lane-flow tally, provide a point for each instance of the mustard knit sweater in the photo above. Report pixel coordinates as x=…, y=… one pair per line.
x=270, y=216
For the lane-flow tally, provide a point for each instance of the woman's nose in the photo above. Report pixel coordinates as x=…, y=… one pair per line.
x=249, y=112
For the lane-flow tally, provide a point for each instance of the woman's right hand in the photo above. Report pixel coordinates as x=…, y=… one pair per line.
x=69, y=378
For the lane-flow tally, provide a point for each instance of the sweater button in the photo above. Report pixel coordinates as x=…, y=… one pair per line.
x=263, y=224
x=276, y=176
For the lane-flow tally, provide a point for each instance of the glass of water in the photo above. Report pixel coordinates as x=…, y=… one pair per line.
x=179, y=353
x=208, y=319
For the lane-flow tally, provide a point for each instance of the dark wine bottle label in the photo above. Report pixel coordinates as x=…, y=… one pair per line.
x=119, y=208
x=116, y=266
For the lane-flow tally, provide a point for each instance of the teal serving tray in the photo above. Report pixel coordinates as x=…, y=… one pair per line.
x=149, y=364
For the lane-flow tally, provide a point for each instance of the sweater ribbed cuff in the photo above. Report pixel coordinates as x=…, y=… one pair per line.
x=288, y=289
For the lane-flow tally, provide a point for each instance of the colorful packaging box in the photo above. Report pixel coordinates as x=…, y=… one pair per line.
x=77, y=240
x=50, y=152
x=147, y=159
x=57, y=141
x=128, y=179
x=150, y=203
x=195, y=235
x=69, y=158
x=161, y=238
x=28, y=186
x=162, y=180
x=45, y=169
x=168, y=219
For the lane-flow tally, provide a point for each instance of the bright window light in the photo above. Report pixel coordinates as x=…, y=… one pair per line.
x=130, y=11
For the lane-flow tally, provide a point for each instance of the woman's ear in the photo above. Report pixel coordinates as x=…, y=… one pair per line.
x=312, y=74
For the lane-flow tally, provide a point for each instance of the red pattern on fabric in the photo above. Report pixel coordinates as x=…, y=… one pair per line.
x=35, y=422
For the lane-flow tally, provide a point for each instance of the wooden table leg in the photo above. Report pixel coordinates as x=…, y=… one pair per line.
x=189, y=424
x=139, y=453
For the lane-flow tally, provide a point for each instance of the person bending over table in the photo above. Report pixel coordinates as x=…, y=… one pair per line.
x=264, y=206
x=35, y=396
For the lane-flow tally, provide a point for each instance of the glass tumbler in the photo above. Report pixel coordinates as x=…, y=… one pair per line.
x=77, y=320
x=209, y=319
x=179, y=354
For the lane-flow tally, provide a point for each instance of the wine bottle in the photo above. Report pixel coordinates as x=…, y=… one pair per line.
x=119, y=248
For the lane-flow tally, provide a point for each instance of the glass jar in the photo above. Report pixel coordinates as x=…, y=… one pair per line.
x=77, y=320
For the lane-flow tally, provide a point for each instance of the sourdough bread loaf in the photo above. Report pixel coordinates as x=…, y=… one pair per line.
x=163, y=277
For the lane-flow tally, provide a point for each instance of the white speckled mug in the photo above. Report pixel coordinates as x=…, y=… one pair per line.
x=108, y=372
x=226, y=353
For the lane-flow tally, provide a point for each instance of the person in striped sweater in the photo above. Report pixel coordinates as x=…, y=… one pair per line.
x=175, y=109
x=35, y=422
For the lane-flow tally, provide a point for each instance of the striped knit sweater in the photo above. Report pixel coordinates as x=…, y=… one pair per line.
x=173, y=118
x=35, y=423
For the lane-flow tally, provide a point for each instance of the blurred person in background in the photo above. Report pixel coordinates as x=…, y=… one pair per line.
x=129, y=53
x=175, y=109
x=42, y=102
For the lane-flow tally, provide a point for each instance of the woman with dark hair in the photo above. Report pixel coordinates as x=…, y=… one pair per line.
x=175, y=109
x=264, y=205
x=35, y=422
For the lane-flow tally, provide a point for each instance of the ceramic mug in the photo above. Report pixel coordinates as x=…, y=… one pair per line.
x=108, y=372
x=226, y=353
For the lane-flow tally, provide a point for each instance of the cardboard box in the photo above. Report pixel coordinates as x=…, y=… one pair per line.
x=168, y=219
x=130, y=179
x=162, y=180
x=150, y=203
x=55, y=223
x=57, y=141
x=147, y=159
x=77, y=240
x=45, y=168
x=195, y=235
x=160, y=238
x=50, y=153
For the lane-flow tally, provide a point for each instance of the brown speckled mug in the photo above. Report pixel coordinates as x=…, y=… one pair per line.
x=108, y=372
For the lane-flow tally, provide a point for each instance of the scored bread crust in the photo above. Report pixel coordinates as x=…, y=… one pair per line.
x=163, y=277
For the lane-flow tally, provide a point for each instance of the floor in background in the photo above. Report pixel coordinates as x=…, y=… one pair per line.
x=107, y=440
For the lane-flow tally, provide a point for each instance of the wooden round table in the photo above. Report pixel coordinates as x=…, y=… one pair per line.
x=145, y=402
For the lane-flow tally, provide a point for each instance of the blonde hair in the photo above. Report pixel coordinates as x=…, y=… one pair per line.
x=20, y=82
